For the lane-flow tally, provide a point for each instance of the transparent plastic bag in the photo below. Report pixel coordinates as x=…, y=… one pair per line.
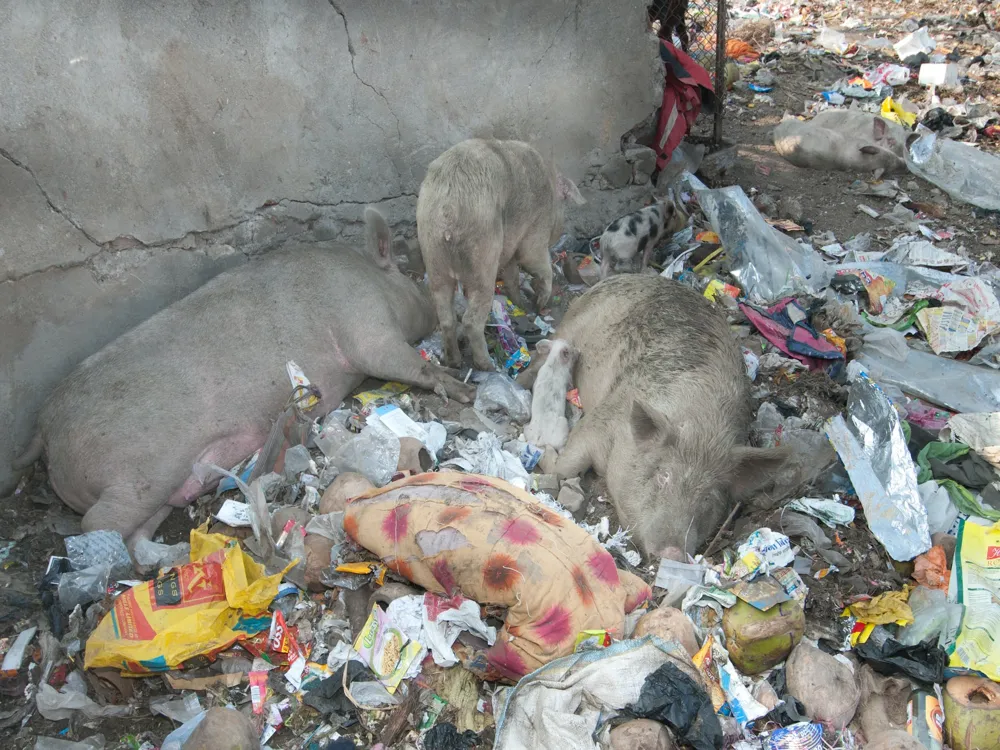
x=962, y=171
x=767, y=264
x=497, y=395
x=373, y=453
x=81, y=587
x=99, y=547
x=932, y=616
x=152, y=555
x=95, y=742
x=832, y=41
x=955, y=385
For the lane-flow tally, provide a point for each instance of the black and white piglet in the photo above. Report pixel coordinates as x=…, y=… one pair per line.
x=548, y=425
x=628, y=242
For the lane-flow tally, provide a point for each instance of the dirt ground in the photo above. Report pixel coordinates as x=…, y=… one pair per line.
x=36, y=521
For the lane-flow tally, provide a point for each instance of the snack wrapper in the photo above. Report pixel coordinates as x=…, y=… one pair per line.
x=385, y=650
x=975, y=583
x=193, y=610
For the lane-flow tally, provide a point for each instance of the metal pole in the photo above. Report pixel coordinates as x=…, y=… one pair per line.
x=720, y=70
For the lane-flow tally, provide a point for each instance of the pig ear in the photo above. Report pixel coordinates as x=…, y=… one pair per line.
x=754, y=468
x=649, y=425
x=544, y=346
x=378, y=238
x=878, y=128
x=566, y=354
x=568, y=189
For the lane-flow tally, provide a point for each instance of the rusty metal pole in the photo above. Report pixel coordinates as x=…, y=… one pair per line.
x=720, y=71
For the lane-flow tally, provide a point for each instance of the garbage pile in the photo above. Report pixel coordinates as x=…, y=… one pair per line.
x=408, y=572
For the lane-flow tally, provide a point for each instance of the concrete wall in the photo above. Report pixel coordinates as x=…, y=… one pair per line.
x=146, y=146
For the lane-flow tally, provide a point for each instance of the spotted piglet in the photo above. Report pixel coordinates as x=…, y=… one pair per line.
x=628, y=242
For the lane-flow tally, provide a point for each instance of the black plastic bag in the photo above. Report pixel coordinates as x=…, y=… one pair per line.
x=446, y=737
x=887, y=656
x=671, y=697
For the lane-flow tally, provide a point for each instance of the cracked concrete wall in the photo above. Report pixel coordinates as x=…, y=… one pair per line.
x=146, y=147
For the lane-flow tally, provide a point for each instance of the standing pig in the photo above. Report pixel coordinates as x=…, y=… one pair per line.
x=628, y=242
x=666, y=405
x=200, y=381
x=487, y=206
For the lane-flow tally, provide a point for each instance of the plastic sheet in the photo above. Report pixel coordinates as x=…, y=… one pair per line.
x=95, y=742
x=497, y=396
x=873, y=448
x=485, y=455
x=956, y=386
x=962, y=171
x=767, y=264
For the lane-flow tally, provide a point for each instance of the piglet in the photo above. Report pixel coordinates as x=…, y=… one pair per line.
x=628, y=242
x=548, y=426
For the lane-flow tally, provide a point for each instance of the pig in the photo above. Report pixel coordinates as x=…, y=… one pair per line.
x=628, y=242
x=200, y=381
x=484, y=207
x=548, y=426
x=842, y=139
x=667, y=17
x=666, y=410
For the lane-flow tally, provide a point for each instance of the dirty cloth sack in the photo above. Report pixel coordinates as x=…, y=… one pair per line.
x=687, y=88
x=566, y=702
x=489, y=541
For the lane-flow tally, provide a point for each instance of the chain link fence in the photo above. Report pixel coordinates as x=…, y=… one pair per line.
x=698, y=27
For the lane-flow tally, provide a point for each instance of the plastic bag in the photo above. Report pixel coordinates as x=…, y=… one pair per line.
x=59, y=705
x=975, y=581
x=152, y=555
x=100, y=548
x=962, y=171
x=955, y=385
x=94, y=742
x=933, y=617
x=176, y=739
x=888, y=656
x=196, y=609
x=445, y=736
x=83, y=586
x=941, y=511
x=767, y=264
x=672, y=697
x=832, y=41
x=486, y=456
x=498, y=396
x=872, y=446
x=374, y=453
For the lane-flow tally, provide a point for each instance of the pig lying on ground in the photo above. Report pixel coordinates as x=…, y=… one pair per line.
x=842, y=139
x=487, y=206
x=200, y=381
x=628, y=242
x=666, y=410
x=549, y=427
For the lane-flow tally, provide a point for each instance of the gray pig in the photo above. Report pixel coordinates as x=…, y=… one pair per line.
x=666, y=404
x=200, y=381
x=484, y=207
x=842, y=139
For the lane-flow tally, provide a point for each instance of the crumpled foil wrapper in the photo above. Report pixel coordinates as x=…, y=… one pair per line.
x=871, y=443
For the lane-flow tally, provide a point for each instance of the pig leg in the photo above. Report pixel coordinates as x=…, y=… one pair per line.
x=397, y=360
x=577, y=457
x=123, y=509
x=533, y=255
x=512, y=283
x=443, y=294
x=480, y=298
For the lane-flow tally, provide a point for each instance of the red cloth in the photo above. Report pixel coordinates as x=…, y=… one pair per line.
x=687, y=87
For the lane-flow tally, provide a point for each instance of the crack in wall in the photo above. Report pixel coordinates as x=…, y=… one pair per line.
x=350, y=50
x=555, y=36
x=203, y=240
x=52, y=206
